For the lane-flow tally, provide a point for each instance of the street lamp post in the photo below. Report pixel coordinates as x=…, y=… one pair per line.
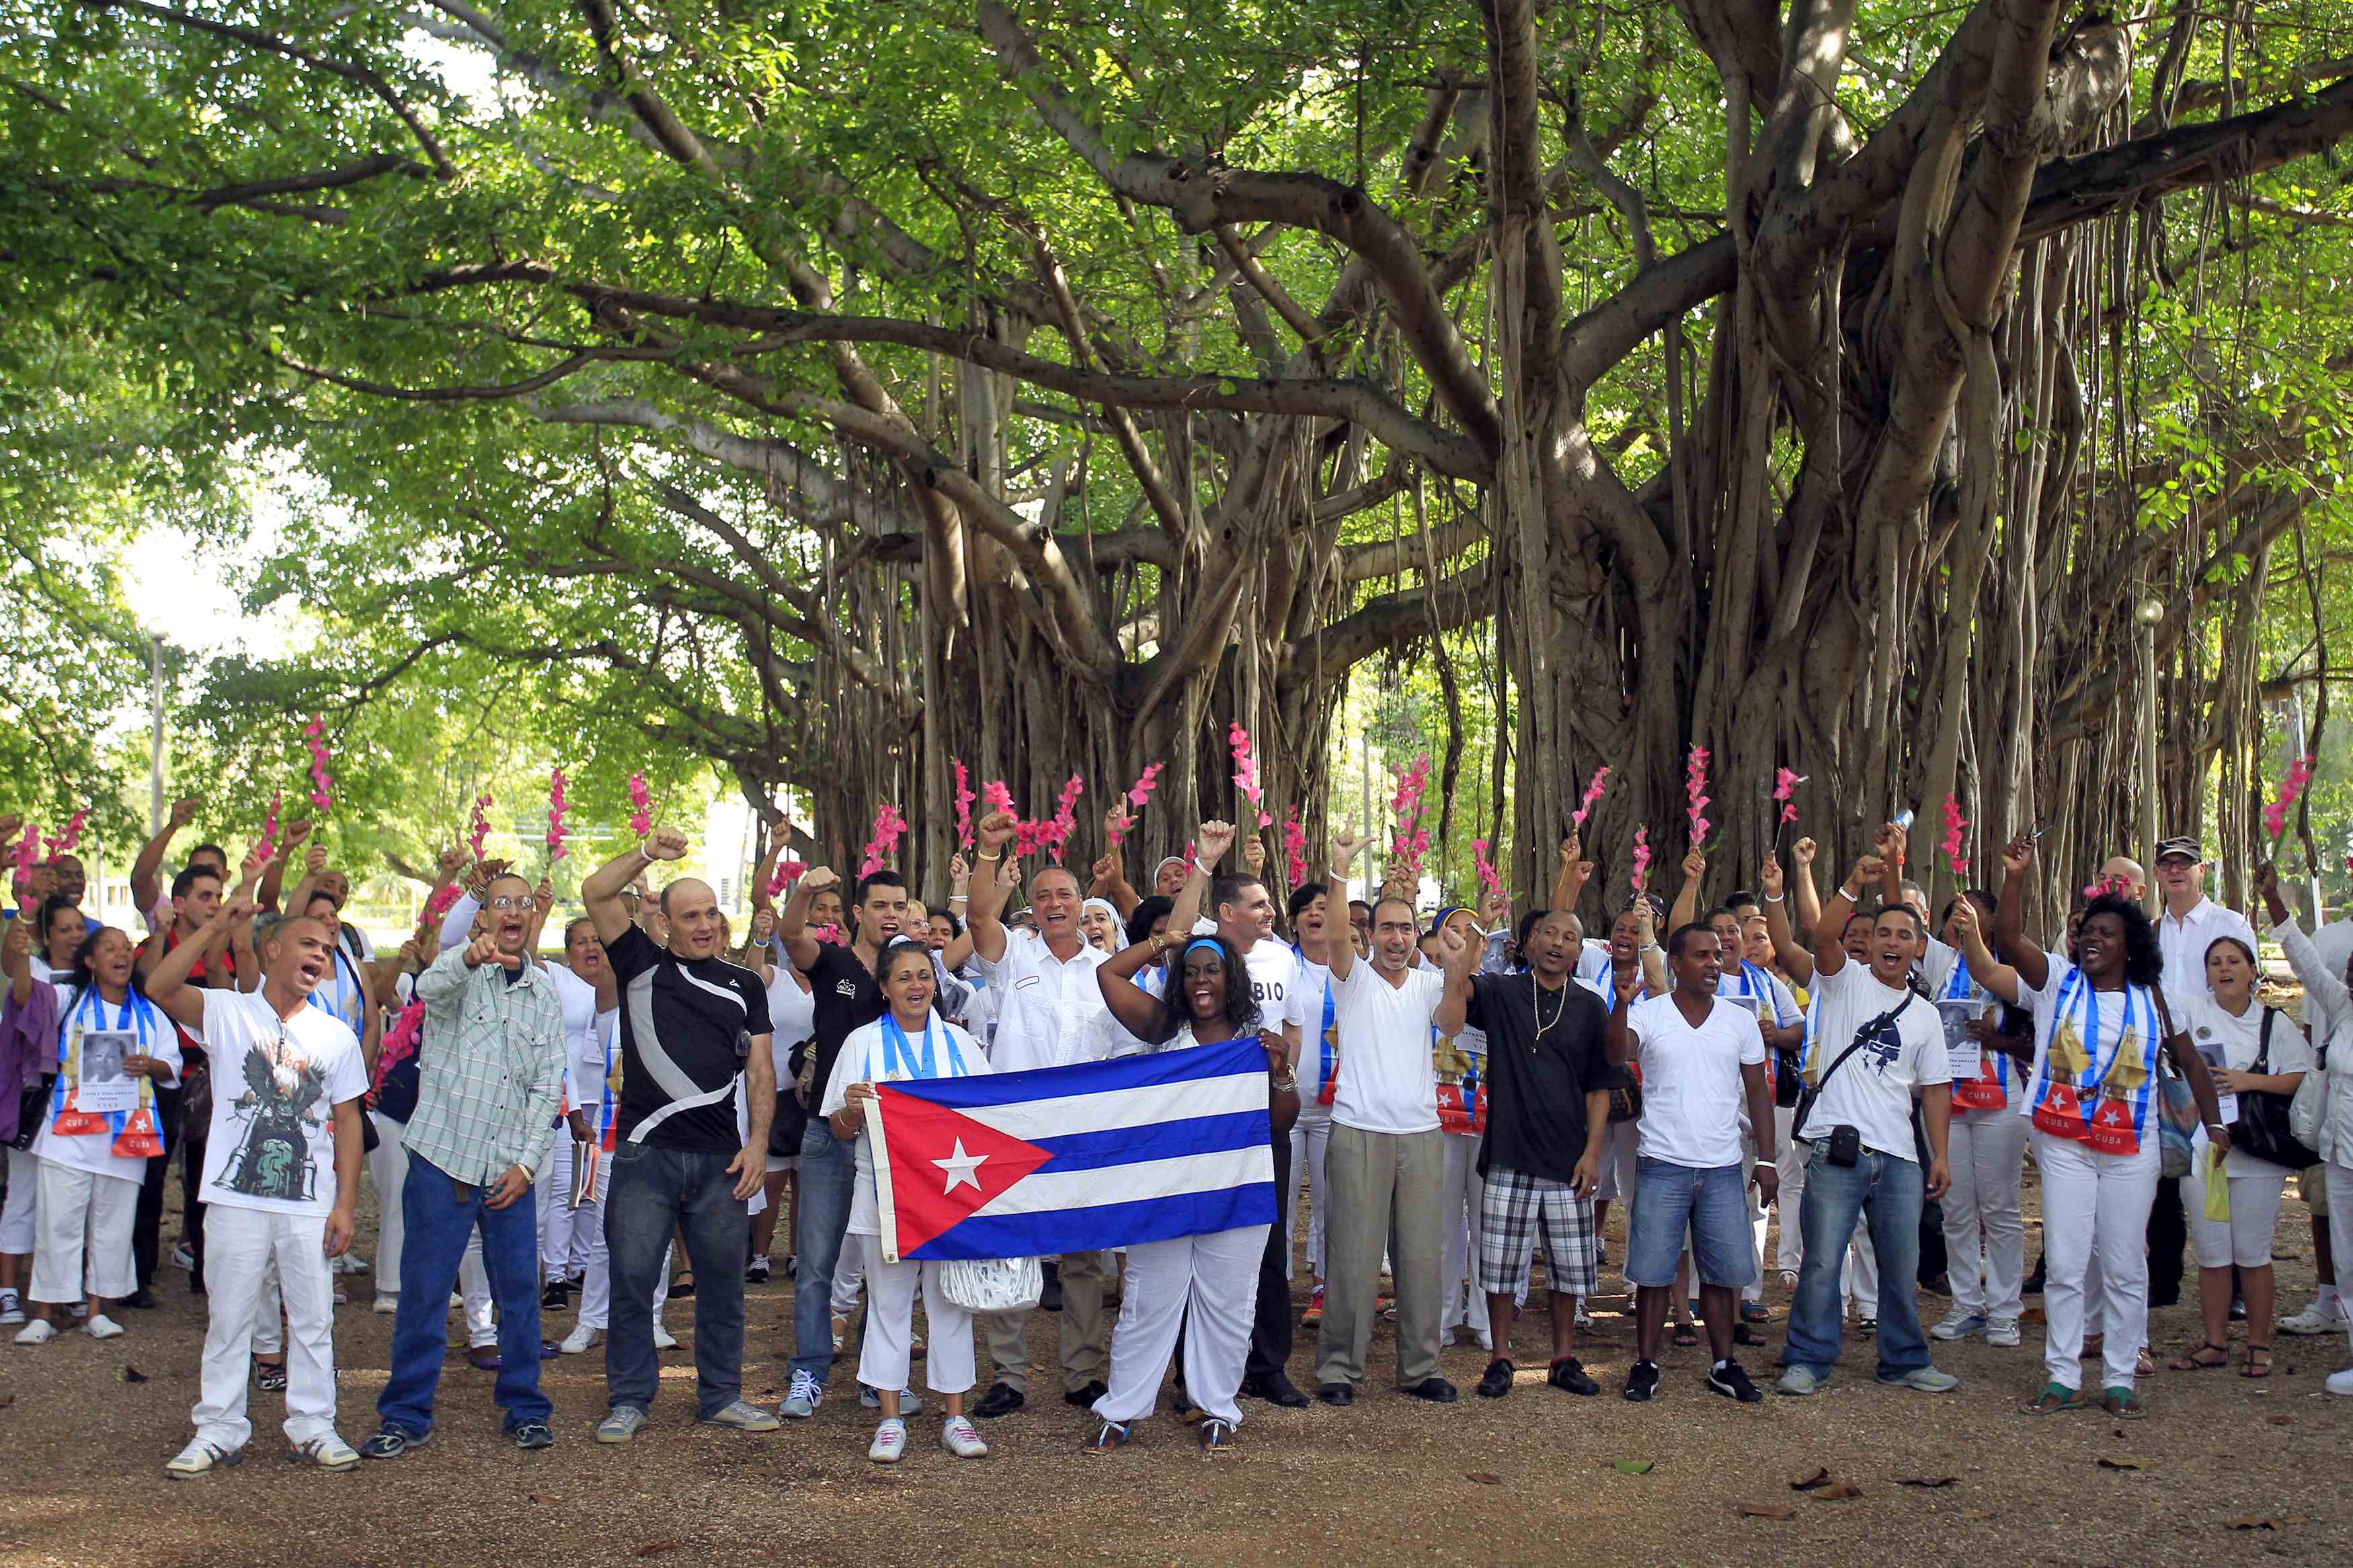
x=2146, y=618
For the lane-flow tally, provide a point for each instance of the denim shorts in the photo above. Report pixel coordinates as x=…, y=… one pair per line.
x=1712, y=1202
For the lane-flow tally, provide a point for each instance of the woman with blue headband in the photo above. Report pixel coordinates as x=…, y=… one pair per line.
x=1205, y=1286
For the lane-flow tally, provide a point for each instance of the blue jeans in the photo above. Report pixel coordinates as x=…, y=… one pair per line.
x=1885, y=1193
x=652, y=1193
x=437, y=1213
x=1711, y=1201
x=828, y=1173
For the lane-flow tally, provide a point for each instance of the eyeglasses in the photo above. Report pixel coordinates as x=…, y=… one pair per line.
x=526, y=903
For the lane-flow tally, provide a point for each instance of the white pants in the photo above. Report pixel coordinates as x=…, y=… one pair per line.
x=240, y=1246
x=2094, y=1205
x=1789, y=1164
x=1987, y=1151
x=84, y=1231
x=556, y=1215
x=1310, y=1136
x=2245, y=1238
x=1208, y=1286
x=886, y=1353
x=2339, y=1180
x=848, y=1275
x=19, y=1219
x=1460, y=1194
x=1618, y=1145
x=1859, y=1275
x=596, y=1274
x=1755, y=1290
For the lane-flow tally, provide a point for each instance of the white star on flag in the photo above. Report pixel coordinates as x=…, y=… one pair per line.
x=960, y=1168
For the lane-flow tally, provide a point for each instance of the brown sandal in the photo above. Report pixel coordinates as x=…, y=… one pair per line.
x=2251, y=1369
x=2191, y=1363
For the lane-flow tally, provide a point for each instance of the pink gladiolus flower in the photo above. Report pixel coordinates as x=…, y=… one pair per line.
x=1593, y=794
x=963, y=798
x=1954, y=823
x=641, y=818
x=1641, y=857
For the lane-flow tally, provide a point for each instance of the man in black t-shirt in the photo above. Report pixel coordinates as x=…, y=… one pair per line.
x=695, y=1039
x=1548, y=1083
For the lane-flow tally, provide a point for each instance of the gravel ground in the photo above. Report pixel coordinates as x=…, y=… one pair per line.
x=1518, y=1481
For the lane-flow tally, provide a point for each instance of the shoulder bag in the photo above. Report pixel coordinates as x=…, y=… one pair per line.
x=2261, y=1129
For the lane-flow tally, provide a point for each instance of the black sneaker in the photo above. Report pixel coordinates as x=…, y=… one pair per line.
x=1002, y=1399
x=532, y=1434
x=552, y=1299
x=1569, y=1373
x=142, y=1299
x=1050, y=1296
x=1642, y=1381
x=1435, y=1390
x=389, y=1444
x=1497, y=1383
x=1728, y=1380
x=757, y=1271
x=1339, y=1395
x=1085, y=1394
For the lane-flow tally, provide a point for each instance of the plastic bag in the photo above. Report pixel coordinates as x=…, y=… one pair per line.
x=992, y=1284
x=2217, y=1183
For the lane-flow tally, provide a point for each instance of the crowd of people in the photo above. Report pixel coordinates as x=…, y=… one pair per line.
x=1455, y=1097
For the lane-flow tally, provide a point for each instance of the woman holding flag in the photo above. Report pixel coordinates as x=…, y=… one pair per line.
x=909, y=1041
x=1204, y=1285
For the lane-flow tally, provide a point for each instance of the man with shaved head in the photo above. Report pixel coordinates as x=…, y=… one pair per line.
x=691, y=1128
x=489, y=1082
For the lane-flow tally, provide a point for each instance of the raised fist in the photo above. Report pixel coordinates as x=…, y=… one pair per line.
x=665, y=844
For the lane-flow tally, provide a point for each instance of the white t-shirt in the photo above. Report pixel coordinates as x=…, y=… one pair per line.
x=2233, y=1040
x=1049, y=1010
x=1693, y=1093
x=1389, y=1083
x=863, y=1060
x=1873, y=1093
x=1279, y=987
x=96, y=1035
x=792, y=1016
x=275, y=1087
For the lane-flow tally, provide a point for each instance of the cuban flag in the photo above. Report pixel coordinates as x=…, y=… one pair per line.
x=1074, y=1159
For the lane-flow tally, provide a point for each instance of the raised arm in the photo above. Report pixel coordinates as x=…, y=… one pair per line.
x=1617, y=1040
x=1984, y=968
x=274, y=874
x=991, y=889
x=1461, y=956
x=1210, y=843
x=1651, y=956
x=1830, y=927
x=1891, y=843
x=1685, y=908
x=314, y=862
x=2323, y=986
x=167, y=985
x=1807, y=899
x=147, y=871
x=1771, y=883
x=2032, y=967
x=1135, y=1009
x=1111, y=871
x=17, y=960
x=602, y=891
x=792, y=925
x=1568, y=882
x=1340, y=957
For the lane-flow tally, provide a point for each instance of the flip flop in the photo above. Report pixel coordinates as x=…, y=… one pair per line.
x=2123, y=1403
x=2054, y=1399
x=1685, y=1334
x=2191, y=1363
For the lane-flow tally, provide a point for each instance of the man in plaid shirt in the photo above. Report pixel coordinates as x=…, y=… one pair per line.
x=490, y=1087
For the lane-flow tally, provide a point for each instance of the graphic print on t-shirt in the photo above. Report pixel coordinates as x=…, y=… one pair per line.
x=276, y=1106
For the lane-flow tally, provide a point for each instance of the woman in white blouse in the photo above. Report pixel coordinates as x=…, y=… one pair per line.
x=2249, y=1048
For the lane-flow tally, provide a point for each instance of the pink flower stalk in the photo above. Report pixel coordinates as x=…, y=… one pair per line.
x=1593, y=794
x=997, y=797
x=888, y=825
x=963, y=799
x=555, y=803
x=1695, y=793
x=322, y=782
x=1642, y=858
x=269, y=826
x=1294, y=847
x=1246, y=773
x=64, y=843
x=1954, y=823
x=1138, y=795
x=1054, y=832
x=481, y=826
x=1489, y=878
x=641, y=816
x=440, y=904
x=2299, y=773
x=788, y=872
x=1785, y=786
x=29, y=850
x=1409, y=841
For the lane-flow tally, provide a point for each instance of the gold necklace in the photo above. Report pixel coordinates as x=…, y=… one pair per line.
x=1536, y=1009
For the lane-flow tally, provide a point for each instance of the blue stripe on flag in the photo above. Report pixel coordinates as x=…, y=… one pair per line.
x=1159, y=1141
x=1224, y=1059
x=1103, y=1225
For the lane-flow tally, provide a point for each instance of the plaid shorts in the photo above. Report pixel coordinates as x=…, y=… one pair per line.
x=1514, y=1209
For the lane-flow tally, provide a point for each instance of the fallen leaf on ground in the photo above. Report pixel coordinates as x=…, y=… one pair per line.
x=1977, y=1513
x=1838, y=1490
x=2106, y=1463
x=656, y=1548
x=543, y=1497
x=1819, y=1478
x=1926, y=1480
x=2254, y=1524
x=133, y=1374
x=1486, y=1478
x=1766, y=1511
x=6, y=1400
x=1635, y=1467
x=2281, y=1420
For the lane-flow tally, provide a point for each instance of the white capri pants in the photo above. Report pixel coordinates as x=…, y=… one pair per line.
x=1618, y=1179
x=1207, y=1285
x=1310, y=1136
x=2245, y=1238
x=2338, y=1186
x=19, y=1219
x=886, y=1350
x=1789, y=1164
x=84, y=1233
x=556, y=1215
x=1985, y=1227
x=2094, y=1205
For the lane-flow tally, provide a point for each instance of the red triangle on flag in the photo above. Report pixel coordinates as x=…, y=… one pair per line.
x=944, y=1165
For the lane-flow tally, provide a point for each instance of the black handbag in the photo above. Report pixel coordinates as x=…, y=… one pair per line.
x=2261, y=1129
x=32, y=1109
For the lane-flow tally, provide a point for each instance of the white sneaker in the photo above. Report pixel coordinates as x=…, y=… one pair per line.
x=890, y=1442
x=958, y=1438
x=386, y=1306
x=1959, y=1324
x=2340, y=1384
x=1584, y=1319
x=101, y=1327
x=663, y=1339
x=2320, y=1318
x=183, y=1258
x=580, y=1341
x=2002, y=1333
x=40, y=1331
x=329, y=1452
x=199, y=1457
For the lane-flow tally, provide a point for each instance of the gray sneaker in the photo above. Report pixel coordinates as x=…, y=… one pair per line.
x=745, y=1416
x=1925, y=1380
x=908, y=1404
x=621, y=1424
x=806, y=1395
x=1802, y=1380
